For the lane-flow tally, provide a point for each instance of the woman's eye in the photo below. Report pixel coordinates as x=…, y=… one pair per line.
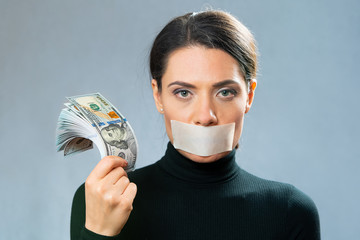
x=182, y=93
x=227, y=93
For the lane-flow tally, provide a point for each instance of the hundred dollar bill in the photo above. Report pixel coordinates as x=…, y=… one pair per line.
x=91, y=118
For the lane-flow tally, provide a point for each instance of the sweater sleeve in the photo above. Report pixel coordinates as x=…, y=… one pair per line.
x=302, y=221
x=77, y=222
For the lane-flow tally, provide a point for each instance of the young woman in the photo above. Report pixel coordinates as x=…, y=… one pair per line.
x=203, y=67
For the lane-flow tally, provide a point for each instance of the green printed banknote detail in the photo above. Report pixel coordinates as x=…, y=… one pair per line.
x=91, y=118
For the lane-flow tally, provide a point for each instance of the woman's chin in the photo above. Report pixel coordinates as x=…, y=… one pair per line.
x=203, y=159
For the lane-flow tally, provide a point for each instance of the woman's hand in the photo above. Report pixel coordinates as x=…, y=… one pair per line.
x=109, y=196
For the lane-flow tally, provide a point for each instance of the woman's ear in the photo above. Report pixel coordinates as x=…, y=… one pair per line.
x=156, y=95
x=252, y=86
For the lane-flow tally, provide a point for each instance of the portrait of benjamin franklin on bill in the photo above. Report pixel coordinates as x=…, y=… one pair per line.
x=115, y=135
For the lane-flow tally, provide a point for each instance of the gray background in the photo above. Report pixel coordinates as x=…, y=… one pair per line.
x=303, y=128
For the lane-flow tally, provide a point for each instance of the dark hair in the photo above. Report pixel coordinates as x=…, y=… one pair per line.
x=211, y=29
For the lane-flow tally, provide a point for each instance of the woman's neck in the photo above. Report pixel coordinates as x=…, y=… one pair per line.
x=183, y=168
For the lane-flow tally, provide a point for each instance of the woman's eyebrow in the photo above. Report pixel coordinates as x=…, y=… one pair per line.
x=216, y=85
x=224, y=83
x=184, y=84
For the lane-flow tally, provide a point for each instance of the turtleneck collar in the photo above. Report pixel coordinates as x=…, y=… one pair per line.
x=185, y=169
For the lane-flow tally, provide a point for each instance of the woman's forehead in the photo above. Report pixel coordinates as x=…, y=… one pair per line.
x=200, y=65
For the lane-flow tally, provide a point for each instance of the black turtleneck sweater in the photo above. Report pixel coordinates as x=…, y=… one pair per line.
x=181, y=199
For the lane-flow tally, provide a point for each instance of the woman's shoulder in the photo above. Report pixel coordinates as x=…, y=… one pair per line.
x=301, y=212
x=79, y=196
x=266, y=186
x=296, y=201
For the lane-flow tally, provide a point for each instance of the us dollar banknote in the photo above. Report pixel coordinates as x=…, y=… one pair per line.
x=91, y=119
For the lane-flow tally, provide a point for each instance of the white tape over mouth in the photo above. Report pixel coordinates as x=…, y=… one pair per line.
x=200, y=140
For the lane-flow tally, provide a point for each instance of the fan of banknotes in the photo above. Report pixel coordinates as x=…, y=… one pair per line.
x=89, y=119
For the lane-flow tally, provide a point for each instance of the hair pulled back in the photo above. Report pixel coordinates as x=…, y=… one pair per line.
x=211, y=29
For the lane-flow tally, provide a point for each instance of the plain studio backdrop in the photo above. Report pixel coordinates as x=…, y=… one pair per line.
x=303, y=128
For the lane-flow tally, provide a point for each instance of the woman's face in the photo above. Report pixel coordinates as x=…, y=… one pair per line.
x=204, y=87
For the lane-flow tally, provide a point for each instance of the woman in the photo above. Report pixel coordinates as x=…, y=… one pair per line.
x=203, y=67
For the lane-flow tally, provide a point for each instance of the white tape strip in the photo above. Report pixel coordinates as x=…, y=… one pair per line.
x=200, y=140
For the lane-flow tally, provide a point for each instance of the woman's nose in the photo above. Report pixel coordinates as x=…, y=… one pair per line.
x=204, y=113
